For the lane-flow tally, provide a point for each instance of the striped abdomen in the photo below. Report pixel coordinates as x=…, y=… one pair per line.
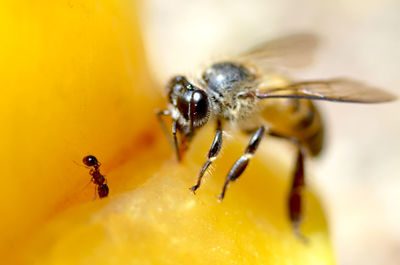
x=295, y=118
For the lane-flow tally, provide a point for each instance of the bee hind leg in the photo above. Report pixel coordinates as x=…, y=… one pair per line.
x=295, y=195
x=241, y=164
x=212, y=154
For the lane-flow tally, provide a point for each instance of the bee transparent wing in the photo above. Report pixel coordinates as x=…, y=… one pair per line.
x=293, y=51
x=341, y=90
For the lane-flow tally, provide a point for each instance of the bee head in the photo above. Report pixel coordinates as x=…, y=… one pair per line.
x=191, y=106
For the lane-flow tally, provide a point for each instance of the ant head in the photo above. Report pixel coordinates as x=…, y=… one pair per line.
x=190, y=104
x=90, y=161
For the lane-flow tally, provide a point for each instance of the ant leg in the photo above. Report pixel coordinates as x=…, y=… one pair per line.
x=212, y=154
x=95, y=193
x=241, y=164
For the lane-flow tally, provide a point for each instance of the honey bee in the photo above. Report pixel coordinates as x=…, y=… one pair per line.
x=241, y=91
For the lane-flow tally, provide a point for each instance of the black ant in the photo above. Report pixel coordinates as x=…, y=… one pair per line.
x=97, y=178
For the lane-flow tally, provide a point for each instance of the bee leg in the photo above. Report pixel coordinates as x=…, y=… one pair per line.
x=212, y=154
x=160, y=114
x=295, y=195
x=241, y=164
x=173, y=141
x=174, y=130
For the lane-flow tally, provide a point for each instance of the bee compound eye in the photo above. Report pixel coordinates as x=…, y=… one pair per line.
x=200, y=103
x=195, y=102
x=183, y=106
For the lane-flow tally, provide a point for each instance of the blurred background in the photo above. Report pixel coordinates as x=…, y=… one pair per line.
x=358, y=175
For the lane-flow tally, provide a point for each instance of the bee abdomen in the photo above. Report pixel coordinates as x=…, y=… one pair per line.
x=311, y=130
x=315, y=141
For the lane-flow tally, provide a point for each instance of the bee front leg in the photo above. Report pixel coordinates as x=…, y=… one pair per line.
x=176, y=145
x=160, y=114
x=212, y=154
x=174, y=141
x=241, y=164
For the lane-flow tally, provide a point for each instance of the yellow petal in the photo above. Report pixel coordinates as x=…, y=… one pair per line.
x=161, y=222
x=74, y=82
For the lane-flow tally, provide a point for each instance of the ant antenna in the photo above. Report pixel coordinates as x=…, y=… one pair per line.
x=78, y=164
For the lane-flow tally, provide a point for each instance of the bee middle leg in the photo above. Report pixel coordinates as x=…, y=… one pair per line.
x=241, y=164
x=212, y=154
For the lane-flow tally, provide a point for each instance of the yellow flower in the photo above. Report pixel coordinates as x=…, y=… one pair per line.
x=75, y=82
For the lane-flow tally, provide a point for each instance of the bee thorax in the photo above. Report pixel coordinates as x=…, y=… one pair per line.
x=234, y=109
x=230, y=86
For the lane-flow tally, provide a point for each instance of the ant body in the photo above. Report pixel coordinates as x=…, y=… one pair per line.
x=97, y=178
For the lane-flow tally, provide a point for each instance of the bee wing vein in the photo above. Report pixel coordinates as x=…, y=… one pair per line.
x=342, y=90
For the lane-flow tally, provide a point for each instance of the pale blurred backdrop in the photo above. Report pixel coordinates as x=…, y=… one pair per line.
x=358, y=175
